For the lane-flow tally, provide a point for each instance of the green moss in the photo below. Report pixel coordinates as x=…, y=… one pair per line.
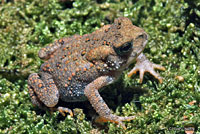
x=173, y=26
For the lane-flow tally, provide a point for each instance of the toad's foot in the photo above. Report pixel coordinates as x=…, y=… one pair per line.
x=117, y=121
x=144, y=65
x=64, y=110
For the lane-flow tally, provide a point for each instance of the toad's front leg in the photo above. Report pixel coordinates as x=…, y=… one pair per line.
x=144, y=65
x=91, y=91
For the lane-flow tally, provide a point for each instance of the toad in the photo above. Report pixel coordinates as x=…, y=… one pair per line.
x=76, y=67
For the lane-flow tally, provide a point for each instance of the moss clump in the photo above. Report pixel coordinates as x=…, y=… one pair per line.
x=173, y=26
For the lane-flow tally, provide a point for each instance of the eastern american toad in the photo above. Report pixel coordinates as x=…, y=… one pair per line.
x=76, y=67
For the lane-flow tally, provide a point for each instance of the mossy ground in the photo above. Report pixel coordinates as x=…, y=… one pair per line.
x=170, y=107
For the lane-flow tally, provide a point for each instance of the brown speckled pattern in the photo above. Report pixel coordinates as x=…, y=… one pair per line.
x=76, y=67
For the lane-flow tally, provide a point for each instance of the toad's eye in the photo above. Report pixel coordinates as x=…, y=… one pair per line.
x=124, y=49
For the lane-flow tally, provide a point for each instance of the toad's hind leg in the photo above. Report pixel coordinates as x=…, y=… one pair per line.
x=43, y=90
x=34, y=99
x=91, y=91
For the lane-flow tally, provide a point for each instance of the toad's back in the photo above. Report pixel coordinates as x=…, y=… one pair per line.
x=69, y=67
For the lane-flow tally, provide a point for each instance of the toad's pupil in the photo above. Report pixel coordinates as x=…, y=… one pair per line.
x=126, y=47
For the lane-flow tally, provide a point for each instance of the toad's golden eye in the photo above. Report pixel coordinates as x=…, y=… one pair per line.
x=124, y=49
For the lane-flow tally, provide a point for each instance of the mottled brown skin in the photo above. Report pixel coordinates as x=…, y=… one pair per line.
x=77, y=67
